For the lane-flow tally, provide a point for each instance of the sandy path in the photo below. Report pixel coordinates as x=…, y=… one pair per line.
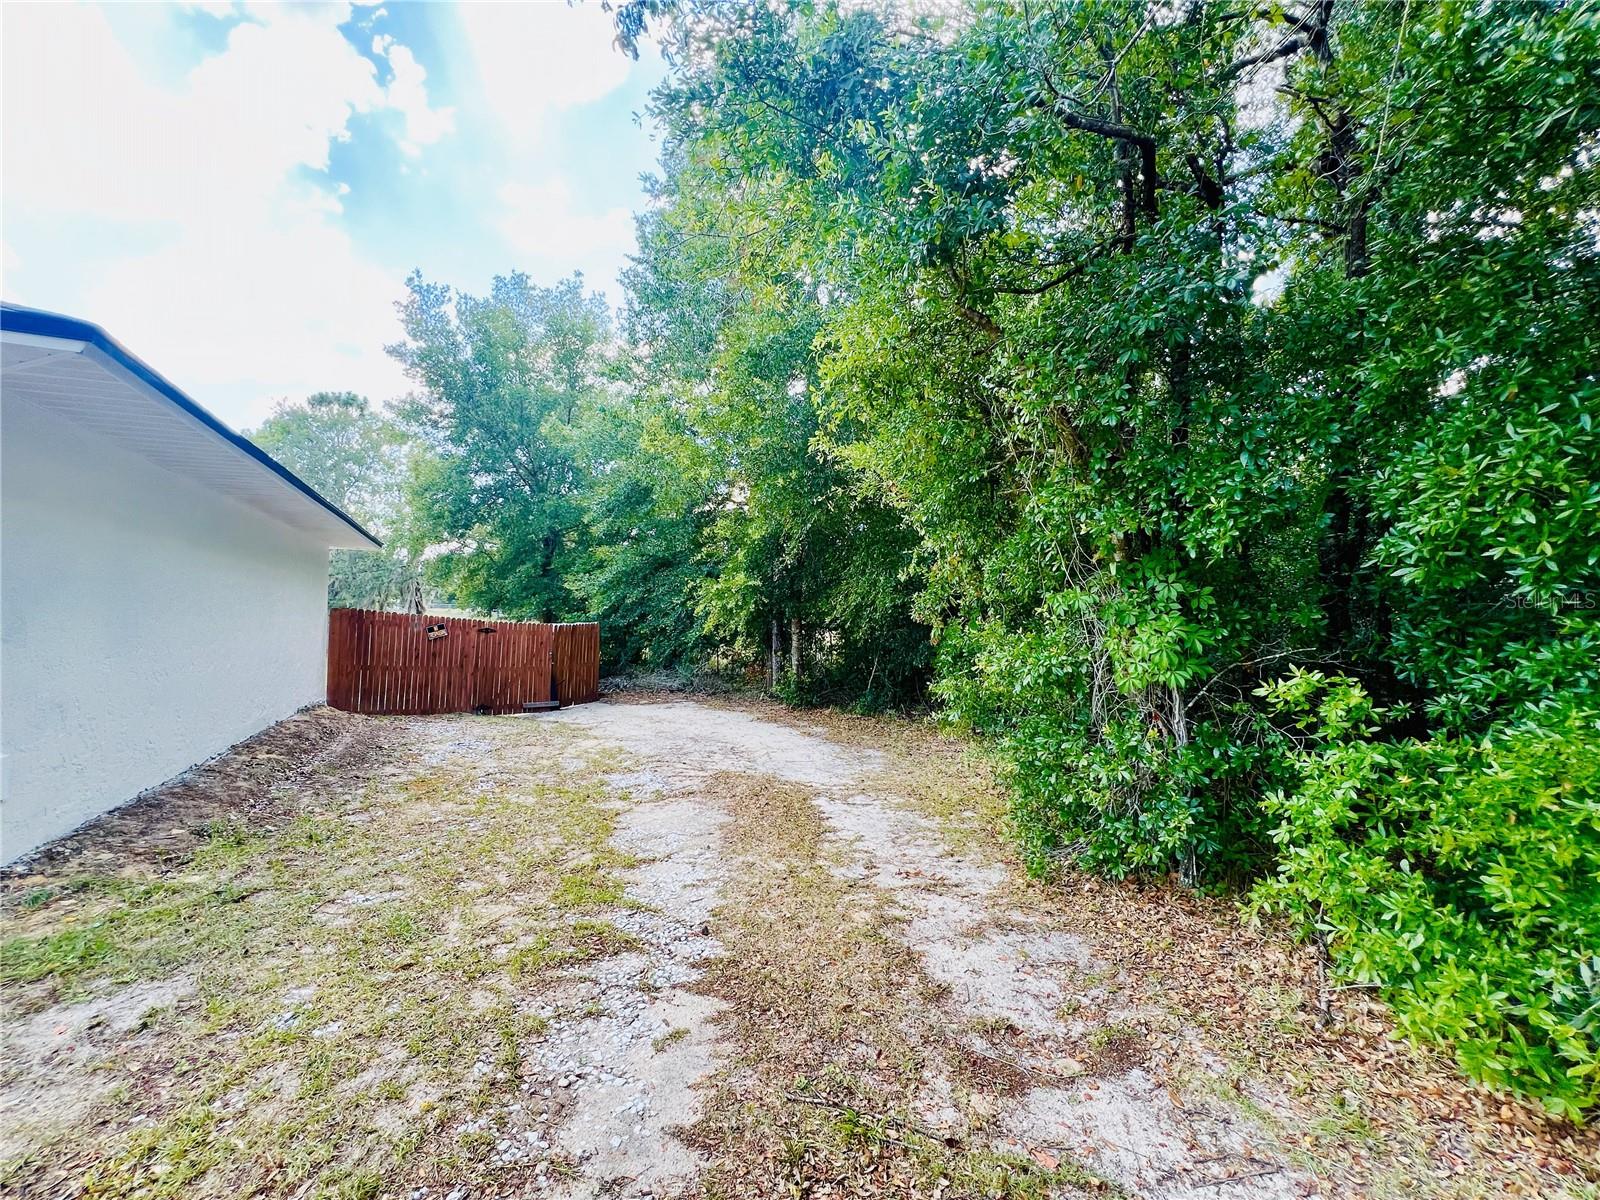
x=999, y=965
x=675, y=950
x=628, y=1098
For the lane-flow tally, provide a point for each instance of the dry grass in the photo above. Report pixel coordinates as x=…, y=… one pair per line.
x=834, y=1033
x=1371, y=1116
x=341, y=988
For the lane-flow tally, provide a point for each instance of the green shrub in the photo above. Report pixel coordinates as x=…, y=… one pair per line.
x=1463, y=877
x=1324, y=395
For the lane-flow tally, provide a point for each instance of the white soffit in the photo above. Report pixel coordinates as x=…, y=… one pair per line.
x=100, y=389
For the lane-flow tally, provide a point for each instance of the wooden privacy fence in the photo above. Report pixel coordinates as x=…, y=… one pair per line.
x=381, y=662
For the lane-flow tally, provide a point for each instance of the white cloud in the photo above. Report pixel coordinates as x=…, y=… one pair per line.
x=253, y=283
x=407, y=94
x=184, y=211
x=81, y=114
x=534, y=59
x=544, y=224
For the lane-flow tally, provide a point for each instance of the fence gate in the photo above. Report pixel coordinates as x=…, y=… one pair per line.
x=380, y=662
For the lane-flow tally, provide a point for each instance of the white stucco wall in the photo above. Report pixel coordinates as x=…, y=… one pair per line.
x=146, y=623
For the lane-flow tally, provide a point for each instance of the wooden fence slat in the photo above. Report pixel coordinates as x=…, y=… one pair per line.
x=354, y=673
x=364, y=664
x=385, y=663
x=386, y=680
x=402, y=646
x=359, y=631
x=352, y=650
x=378, y=642
x=369, y=678
x=336, y=658
x=430, y=671
x=412, y=660
x=416, y=638
x=352, y=665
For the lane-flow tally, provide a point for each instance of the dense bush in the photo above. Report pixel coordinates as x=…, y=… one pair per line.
x=1460, y=874
x=1218, y=388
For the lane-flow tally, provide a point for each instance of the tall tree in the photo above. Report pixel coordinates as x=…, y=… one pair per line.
x=503, y=382
x=1235, y=370
x=808, y=574
x=359, y=459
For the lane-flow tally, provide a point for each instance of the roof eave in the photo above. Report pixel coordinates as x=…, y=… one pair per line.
x=95, y=342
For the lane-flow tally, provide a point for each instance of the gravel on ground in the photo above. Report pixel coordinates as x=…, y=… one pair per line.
x=698, y=948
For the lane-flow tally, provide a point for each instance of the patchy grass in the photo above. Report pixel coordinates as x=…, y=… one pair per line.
x=835, y=1033
x=365, y=975
x=1247, y=997
x=670, y=1038
x=590, y=887
x=65, y=955
x=566, y=944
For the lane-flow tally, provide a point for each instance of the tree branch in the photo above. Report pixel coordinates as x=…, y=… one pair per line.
x=980, y=320
x=1309, y=31
x=1143, y=142
x=1289, y=45
x=1056, y=280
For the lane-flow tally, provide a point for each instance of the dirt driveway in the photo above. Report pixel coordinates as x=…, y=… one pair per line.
x=674, y=948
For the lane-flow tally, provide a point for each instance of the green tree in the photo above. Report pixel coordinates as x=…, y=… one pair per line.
x=807, y=576
x=1204, y=350
x=503, y=384
x=644, y=520
x=359, y=459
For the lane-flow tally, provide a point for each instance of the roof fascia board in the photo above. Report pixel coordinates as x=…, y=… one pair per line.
x=63, y=345
x=56, y=331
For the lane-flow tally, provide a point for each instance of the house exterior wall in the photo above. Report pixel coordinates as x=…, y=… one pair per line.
x=146, y=623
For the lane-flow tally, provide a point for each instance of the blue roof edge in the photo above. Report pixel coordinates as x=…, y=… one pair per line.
x=18, y=318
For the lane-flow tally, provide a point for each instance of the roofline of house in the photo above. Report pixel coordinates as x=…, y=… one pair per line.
x=17, y=318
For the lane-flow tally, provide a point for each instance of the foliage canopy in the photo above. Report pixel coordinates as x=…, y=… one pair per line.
x=1225, y=381
x=1198, y=400
x=359, y=459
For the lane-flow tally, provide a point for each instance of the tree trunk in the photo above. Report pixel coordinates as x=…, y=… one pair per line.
x=1188, y=865
x=772, y=658
x=794, y=648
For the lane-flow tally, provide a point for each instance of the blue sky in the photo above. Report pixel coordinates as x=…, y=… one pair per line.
x=237, y=191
